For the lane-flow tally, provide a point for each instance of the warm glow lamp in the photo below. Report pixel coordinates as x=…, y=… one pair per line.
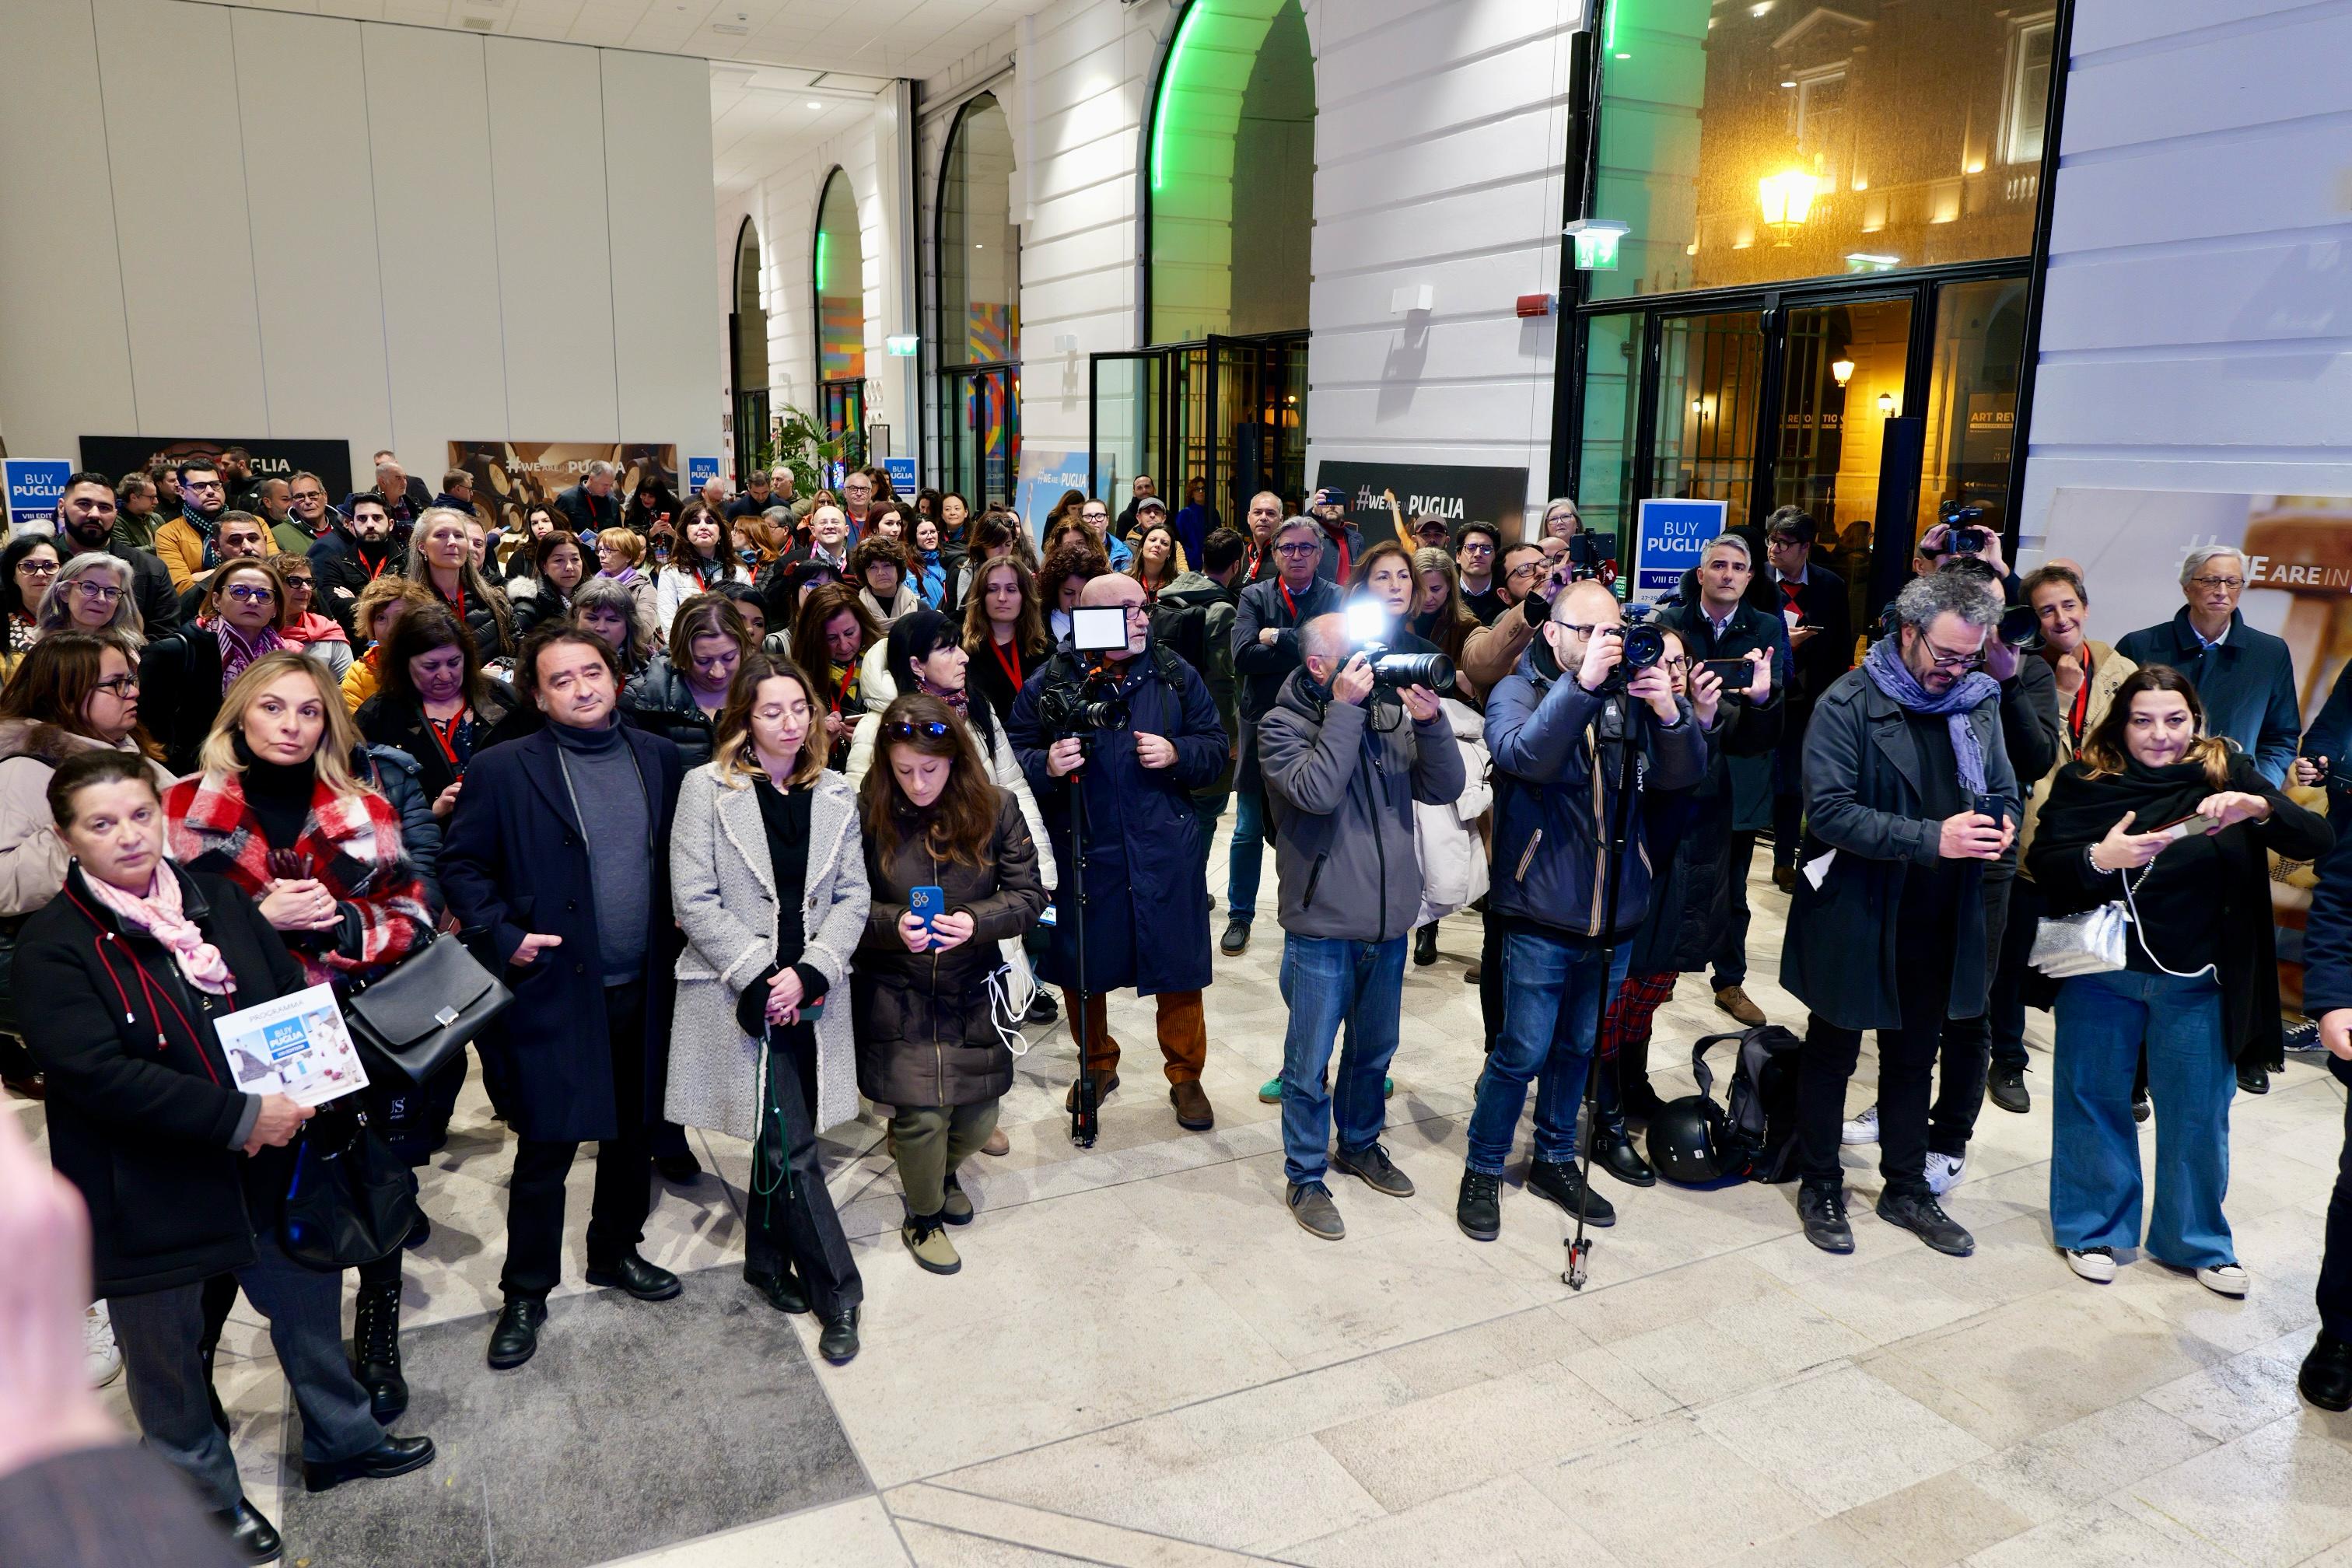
x=1787, y=197
x=1841, y=371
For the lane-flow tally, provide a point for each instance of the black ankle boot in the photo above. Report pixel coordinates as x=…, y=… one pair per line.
x=1614, y=1152
x=375, y=1350
x=1635, y=1099
x=1424, y=945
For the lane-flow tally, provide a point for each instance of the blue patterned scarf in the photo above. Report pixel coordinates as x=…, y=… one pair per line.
x=1884, y=664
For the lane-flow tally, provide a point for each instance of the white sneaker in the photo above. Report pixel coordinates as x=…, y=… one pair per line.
x=1944, y=1172
x=102, y=1358
x=2097, y=1264
x=2224, y=1280
x=1861, y=1129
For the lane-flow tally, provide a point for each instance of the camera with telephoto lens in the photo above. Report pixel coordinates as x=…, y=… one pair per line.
x=1097, y=707
x=1962, y=537
x=1644, y=645
x=2020, y=628
x=1368, y=624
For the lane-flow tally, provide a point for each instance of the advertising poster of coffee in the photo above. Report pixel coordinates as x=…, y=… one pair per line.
x=2298, y=554
x=510, y=475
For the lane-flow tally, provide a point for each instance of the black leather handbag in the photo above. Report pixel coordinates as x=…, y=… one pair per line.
x=422, y=1012
x=347, y=1203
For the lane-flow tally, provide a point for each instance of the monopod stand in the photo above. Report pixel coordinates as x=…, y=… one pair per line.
x=1086, y=1092
x=1580, y=1246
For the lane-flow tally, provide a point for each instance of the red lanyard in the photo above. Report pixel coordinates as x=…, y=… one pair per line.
x=1289, y=603
x=377, y=570
x=2082, y=707
x=1010, y=664
x=444, y=733
x=458, y=604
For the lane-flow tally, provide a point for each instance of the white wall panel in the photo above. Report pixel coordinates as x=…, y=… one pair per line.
x=65, y=350
x=657, y=183
x=428, y=129
x=555, y=267
x=2197, y=326
x=321, y=294
x=177, y=160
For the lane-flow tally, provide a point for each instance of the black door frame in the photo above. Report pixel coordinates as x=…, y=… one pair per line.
x=1270, y=348
x=958, y=446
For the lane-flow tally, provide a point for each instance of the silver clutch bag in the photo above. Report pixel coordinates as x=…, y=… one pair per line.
x=2090, y=943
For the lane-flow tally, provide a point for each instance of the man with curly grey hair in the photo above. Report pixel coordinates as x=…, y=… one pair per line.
x=1908, y=796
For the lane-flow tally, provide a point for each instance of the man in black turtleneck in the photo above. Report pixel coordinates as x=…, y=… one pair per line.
x=351, y=554
x=588, y=948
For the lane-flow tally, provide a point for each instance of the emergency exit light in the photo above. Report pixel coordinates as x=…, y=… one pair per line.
x=1596, y=242
x=901, y=346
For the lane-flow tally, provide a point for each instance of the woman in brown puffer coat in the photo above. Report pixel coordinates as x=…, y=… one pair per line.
x=932, y=1029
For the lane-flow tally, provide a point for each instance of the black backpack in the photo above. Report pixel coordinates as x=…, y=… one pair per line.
x=1762, y=1124
x=1182, y=626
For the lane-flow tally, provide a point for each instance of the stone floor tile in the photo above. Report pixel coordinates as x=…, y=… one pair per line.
x=853, y=1534
x=2274, y=1496
x=1839, y=1438
x=1671, y=1495
x=1507, y=1520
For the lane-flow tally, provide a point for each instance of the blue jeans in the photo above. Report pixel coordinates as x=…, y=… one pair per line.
x=2095, y=1176
x=1336, y=987
x=1551, y=1013
x=1248, y=854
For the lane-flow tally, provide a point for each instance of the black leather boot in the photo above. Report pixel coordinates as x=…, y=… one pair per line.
x=251, y=1534
x=1614, y=1152
x=514, y=1338
x=375, y=1350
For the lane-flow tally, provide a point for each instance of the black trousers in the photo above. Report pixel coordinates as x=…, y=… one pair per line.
x=2006, y=1016
x=793, y=1227
x=623, y=1195
x=1730, y=956
x=1490, y=976
x=2335, y=1264
x=1788, y=789
x=1967, y=1052
x=1906, y=1060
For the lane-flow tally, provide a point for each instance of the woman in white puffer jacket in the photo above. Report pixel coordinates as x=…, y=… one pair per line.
x=1452, y=855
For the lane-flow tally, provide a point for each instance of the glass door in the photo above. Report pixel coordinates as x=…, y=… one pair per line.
x=1710, y=376
x=1843, y=369
x=1971, y=401
x=1126, y=423
x=983, y=433
x=843, y=408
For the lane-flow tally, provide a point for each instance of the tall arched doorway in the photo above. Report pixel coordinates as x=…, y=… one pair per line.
x=747, y=339
x=1228, y=196
x=838, y=285
x=979, y=307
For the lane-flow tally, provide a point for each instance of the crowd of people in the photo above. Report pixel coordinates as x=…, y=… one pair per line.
x=768, y=811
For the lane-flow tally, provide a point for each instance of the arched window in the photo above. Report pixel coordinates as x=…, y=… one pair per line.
x=1236, y=91
x=979, y=306
x=747, y=338
x=837, y=277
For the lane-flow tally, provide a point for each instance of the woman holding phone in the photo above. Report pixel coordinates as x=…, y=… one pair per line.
x=2178, y=823
x=953, y=871
x=767, y=880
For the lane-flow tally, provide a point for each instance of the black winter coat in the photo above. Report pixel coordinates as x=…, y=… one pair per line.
x=659, y=700
x=180, y=687
x=143, y=1112
x=926, y=1030
x=515, y=861
x=343, y=572
x=402, y=726
x=1143, y=856
x=150, y=587
x=395, y=774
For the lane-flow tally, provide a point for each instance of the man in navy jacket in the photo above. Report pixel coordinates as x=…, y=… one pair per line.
x=588, y=948
x=2244, y=677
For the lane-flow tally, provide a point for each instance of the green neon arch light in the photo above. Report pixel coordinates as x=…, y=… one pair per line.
x=1167, y=82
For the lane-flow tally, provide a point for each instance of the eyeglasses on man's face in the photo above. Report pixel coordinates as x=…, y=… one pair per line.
x=1298, y=547
x=2208, y=583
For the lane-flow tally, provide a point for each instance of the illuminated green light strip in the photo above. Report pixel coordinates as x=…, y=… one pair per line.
x=1167, y=82
x=820, y=261
x=1609, y=32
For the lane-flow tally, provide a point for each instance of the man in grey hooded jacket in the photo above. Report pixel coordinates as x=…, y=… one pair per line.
x=1344, y=760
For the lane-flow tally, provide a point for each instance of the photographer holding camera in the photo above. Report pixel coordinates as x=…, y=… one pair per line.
x=1558, y=726
x=1131, y=732
x=1353, y=742
x=1908, y=796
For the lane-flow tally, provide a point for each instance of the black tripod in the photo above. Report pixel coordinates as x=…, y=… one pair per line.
x=1580, y=1246
x=1084, y=1093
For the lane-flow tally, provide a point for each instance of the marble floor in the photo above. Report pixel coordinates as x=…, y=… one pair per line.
x=1144, y=1361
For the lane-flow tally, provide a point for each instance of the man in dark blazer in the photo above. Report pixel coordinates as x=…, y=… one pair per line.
x=1812, y=602
x=588, y=948
x=591, y=505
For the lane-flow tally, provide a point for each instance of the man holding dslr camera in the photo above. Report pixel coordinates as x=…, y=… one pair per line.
x=1352, y=743
x=1558, y=727
x=1131, y=729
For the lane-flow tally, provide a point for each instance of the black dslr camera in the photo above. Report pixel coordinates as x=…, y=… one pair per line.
x=1368, y=623
x=1961, y=535
x=1097, y=706
x=1644, y=645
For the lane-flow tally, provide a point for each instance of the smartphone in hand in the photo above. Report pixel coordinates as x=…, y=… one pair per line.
x=925, y=904
x=1735, y=673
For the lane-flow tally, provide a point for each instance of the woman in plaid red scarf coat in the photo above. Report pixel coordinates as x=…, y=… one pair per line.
x=277, y=810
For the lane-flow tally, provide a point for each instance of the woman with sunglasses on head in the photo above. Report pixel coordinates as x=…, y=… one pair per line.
x=92, y=593
x=279, y=812
x=554, y=565
x=27, y=566
x=136, y=960
x=699, y=566
x=2179, y=825
x=768, y=881
x=931, y=1035
x=681, y=693
x=183, y=676
x=307, y=631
